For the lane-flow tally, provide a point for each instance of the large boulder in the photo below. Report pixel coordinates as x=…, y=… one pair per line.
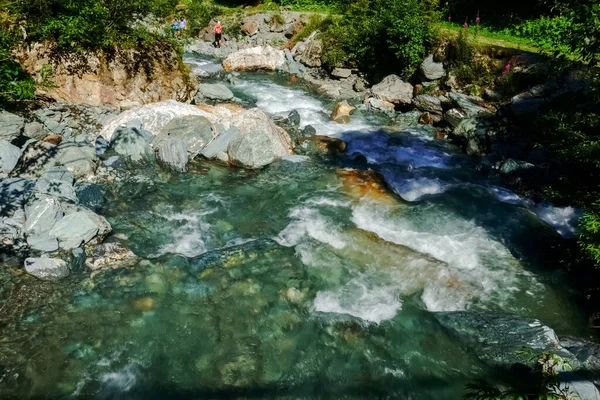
x=470, y=105
x=194, y=130
x=79, y=158
x=40, y=217
x=261, y=58
x=261, y=142
x=132, y=143
x=380, y=105
x=76, y=229
x=154, y=117
x=11, y=125
x=394, y=90
x=430, y=104
x=35, y=130
x=172, y=153
x=48, y=269
x=9, y=156
x=250, y=28
x=497, y=338
x=217, y=149
x=341, y=112
x=309, y=52
x=432, y=70
x=214, y=91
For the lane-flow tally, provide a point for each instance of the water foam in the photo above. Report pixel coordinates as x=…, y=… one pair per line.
x=280, y=100
x=188, y=238
x=414, y=189
x=360, y=299
x=308, y=222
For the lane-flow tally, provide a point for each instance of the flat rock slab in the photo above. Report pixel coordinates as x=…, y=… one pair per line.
x=48, y=269
x=11, y=125
x=215, y=91
x=74, y=230
x=9, y=156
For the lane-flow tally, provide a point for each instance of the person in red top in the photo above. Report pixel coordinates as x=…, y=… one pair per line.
x=218, y=34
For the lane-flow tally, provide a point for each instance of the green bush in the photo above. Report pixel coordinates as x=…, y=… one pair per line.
x=15, y=84
x=380, y=36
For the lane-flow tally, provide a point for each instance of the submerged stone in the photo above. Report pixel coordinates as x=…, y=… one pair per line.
x=48, y=269
x=172, y=153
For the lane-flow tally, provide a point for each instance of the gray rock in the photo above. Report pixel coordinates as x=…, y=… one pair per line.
x=13, y=193
x=195, y=132
x=341, y=73
x=454, y=116
x=295, y=159
x=9, y=156
x=41, y=216
x=35, y=130
x=75, y=230
x=380, y=106
x=77, y=258
x=172, y=154
x=112, y=162
x=360, y=85
x=48, y=269
x=291, y=66
x=11, y=125
x=11, y=230
x=309, y=52
x=496, y=338
x=431, y=104
x=58, y=173
x=469, y=104
x=293, y=118
x=79, y=158
x=394, y=90
x=90, y=195
x=215, y=91
x=255, y=150
x=408, y=118
x=509, y=166
x=309, y=130
x=432, y=70
x=577, y=386
x=101, y=145
x=466, y=128
x=203, y=68
x=57, y=188
x=473, y=147
x=219, y=145
x=54, y=126
x=132, y=144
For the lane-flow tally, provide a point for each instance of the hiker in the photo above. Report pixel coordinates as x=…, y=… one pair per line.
x=182, y=24
x=218, y=33
x=175, y=27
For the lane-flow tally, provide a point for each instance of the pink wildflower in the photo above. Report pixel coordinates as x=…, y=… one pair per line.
x=450, y=18
x=507, y=68
x=465, y=25
x=477, y=20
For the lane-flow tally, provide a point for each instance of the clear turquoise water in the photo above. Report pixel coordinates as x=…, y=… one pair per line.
x=297, y=281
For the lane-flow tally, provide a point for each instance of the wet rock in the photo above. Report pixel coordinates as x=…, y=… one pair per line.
x=13, y=194
x=380, y=105
x=497, y=338
x=90, y=195
x=218, y=147
x=293, y=118
x=48, y=269
x=319, y=145
x=40, y=217
x=250, y=28
x=75, y=230
x=341, y=112
x=216, y=91
x=291, y=66
x=172, y=153
x=131, y=143
x=108, y=256
x=256, y=150
x=432, y=70
x=309, y=130
x=11, y=125
x=35, y=130
x=9, y=156
x=394, y=90
x=509, y=166
x=454, y=116
x=430, y=104
x=341, y=73
x=408, y=118
x=195, y=131
x=261, y=58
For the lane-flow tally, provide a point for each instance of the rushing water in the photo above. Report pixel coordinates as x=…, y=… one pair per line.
x=303, y=280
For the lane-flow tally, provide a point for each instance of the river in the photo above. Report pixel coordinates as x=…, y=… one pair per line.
x=308, y=279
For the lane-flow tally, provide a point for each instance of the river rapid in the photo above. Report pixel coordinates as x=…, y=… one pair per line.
x=311, y=278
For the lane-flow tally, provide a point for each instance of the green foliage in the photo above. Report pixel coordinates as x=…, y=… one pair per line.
x=277, y=19
x=15, y=84
x=467, y=65
x=380, y=36
x=590, y=232
x=200, y=13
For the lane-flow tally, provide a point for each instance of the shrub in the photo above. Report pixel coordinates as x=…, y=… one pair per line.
x=15, y=84
x=380, y=36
